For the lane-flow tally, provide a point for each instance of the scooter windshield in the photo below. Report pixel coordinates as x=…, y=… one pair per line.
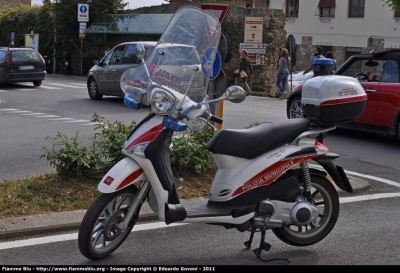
x=183, y=59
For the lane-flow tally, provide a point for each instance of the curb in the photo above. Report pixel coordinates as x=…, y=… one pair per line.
x=71, y=220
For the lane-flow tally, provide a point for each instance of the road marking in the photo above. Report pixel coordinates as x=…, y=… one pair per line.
x=9, y=109
x=47, y=116
x=78, y=120
x=65, y=85
x=19, y=111
x=49, y=87
x=33, y=114
x=368, y=197
x=61, y=119
x=74, y=236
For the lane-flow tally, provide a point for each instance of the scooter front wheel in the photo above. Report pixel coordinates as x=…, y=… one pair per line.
x=326, y=199
x=98, y=236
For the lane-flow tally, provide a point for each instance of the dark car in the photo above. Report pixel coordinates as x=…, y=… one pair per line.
x=104, y=77
x=378, y=73
x=21, y=64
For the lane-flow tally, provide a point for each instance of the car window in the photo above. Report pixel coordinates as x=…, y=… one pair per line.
x=114, y=56
x=24, y=56
x=364, y=67
x=130, y=56
x=2, y=56
x=390, y=72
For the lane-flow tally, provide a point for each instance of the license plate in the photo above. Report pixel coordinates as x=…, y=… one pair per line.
x=66, y=63
x=27, y=67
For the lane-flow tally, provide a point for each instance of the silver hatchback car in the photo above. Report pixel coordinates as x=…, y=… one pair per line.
x=104, y=77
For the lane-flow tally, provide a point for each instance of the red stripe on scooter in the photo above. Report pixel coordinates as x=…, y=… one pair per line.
x=130, y=178
x=268, y=175
x=149, y=135
x=345, y=100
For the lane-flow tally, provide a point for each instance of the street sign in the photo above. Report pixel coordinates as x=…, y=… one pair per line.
x=247, y=46
x=208, y=71
x=253, y=29
x=254, y=50
x=83, y=12
x=256, y=59
x=218, y=10
x=82, y=29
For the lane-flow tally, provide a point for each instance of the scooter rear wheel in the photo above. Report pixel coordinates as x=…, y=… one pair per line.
x=326, y=199
x=98, y=237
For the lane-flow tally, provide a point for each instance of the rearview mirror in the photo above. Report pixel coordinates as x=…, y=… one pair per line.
x=371, y=63
x=140, y=51
x=235, y=94
x=96, y=62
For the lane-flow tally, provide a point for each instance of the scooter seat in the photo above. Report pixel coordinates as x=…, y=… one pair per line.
x=253, y=142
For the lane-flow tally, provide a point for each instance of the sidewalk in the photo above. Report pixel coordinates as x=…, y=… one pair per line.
x=71, y=220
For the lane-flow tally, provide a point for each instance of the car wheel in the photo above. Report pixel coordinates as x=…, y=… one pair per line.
x=37, y=83
x=296, y=109
x=93, y=90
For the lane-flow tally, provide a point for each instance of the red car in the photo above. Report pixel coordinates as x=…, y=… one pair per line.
x=378, y=73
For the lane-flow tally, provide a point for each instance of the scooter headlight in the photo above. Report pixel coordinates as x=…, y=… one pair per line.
x=161, y=101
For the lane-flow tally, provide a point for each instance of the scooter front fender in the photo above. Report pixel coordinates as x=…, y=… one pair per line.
x=124, y=173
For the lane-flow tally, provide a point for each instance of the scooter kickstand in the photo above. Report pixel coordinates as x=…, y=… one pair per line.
x=248, y=243
x=265, y=246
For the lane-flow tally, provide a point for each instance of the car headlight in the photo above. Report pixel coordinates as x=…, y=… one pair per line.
x=161, y=101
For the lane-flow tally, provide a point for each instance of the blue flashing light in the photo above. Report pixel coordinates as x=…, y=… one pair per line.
x=323, y=61
x=174, y=125
x=130, y=102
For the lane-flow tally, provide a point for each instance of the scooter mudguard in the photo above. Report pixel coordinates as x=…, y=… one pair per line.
x=335, y=171
x=121, y=175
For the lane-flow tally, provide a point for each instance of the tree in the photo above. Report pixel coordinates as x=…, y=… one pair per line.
x=393, y=4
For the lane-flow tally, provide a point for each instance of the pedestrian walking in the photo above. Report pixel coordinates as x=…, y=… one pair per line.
x=317, y=69
x=245, y=71
x=331, y=68
x=283, y=72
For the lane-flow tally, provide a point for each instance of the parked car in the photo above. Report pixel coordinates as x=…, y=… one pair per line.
x=21, y=64
x=382, y=112
x=104, y=77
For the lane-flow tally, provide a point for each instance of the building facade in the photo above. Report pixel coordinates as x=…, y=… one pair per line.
x=14, y=3
x=345, y=27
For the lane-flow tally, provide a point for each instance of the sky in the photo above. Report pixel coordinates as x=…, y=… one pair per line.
x=132, y=3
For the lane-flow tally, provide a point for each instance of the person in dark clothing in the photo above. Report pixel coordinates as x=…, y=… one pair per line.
x=246, y=67
x=317, y=69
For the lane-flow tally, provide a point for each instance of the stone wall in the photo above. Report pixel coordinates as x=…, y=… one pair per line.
x=274, y=36
x=14, y=3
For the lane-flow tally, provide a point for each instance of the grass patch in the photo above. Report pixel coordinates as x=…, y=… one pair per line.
x=49, y=193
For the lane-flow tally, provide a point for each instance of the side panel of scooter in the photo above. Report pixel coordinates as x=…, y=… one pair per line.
x=238, y=175
x=121, y=175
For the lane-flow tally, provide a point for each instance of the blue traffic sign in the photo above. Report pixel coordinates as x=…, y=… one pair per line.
x=12, y=37
x=83, y=9
x=208, y=71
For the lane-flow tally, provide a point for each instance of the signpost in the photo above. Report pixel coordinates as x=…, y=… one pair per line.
x=256, y=52
x=219, y=11
x=253, y=29
x=83, y=12
x=83, y=18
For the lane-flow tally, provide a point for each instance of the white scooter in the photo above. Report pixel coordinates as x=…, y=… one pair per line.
x=263, y=179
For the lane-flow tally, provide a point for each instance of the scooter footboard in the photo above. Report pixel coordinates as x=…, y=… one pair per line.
x=335, y=171
x=121, y=175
